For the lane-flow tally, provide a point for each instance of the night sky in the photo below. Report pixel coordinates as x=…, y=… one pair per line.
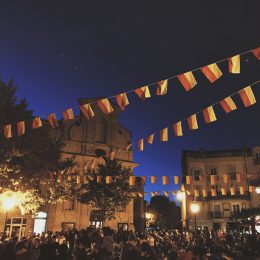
x=59, y=51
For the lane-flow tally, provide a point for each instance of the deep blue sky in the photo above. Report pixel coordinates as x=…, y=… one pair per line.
x=59, y=51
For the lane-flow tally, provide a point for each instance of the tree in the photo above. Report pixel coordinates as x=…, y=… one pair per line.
x=107, y=198
x=165, y=211
x=27, y=161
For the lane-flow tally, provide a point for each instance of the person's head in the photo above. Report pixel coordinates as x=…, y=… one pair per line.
x=107, y=231
x=132, y=240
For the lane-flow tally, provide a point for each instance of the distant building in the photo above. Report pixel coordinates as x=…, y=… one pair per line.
x=84, y=139
x=215, y=211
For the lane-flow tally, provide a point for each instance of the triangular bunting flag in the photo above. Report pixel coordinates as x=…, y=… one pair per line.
x=188, y=179
x=165, y=180
x=87, y=111
x=247, y=96
x=140, y=144
x=228, y=104
x=224, y=191
x=212, y=72
x=166, y=193
x=162, y=87
x=105, y=106
x=234, y=64
x=187, y=80
x=143, y=92
x=204, y=193
x=209, y=114
x=176, y=179
x=122, y=100
x=108, y=179
x=256, y=52
x=153, y=179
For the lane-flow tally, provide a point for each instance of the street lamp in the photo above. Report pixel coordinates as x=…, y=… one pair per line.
x=179, y=195
x=195, y=209
x=257, y=190
x=8, y=203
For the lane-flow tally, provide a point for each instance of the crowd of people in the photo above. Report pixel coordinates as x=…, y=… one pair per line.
x=106, y=244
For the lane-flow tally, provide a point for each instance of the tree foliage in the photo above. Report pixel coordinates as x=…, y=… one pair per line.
x=27, y=161
x=107, y=198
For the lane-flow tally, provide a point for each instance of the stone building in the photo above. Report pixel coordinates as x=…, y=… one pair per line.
x=84, y=140
x=215, y=211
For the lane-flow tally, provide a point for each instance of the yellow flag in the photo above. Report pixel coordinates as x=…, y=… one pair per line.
x=176, y=179
x=224, y=191
x=187, y=80
x=36, y=123
x=213, y=192
x=141, y=144
x=68, y=114
x=212, y=72
x=165, y=180
x=131, y=180
x=164, y=135
x=204, y=193
x=188, y=179
x=108, y=179
x=166, y=193
x=153, y=179
x=242, y=190
x=232, y=191
x=20, y=128
x=234, y=64
x=52, y=120
x=8, y=131
x=162, y=87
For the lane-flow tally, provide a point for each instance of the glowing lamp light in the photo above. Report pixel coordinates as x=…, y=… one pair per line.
x=257, y=190
x=8, y=203
x=179, y=196
x=148, y=215
x=194, y=208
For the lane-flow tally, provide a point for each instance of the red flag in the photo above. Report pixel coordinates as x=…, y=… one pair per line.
x=228, y=104
x=209, y=114
x=52, y=120
x=36, y=123
x=68, y=114
x=256, y=52
x=20, y=128
x=87, y=111
x=122, y=100
x=187, y=80
x=162, y=87
x=131, y=180
x=212, y=72
x=247, y=96
x=105, y=106
x=153, y=179
x=176, y=179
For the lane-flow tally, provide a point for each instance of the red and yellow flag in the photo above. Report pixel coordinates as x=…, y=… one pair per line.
x=213, y=192
x=196, y=193
x=209, y=114
x=234, y=64
x=201, y=178
x=177, y=128
x=228, y=104
x=150, y=139
x=140, y=144
x=164, y=135
x=153, y=179
x=212, y=72
x=166, y=193
x=152, y=194
x=256, y=52
x=192, y=122
x=176, y=179
x=242, y=190
x=105, y=106
x=226, y=178
x=144, y=179
x=52, y=120
x=238, y=177
x=140, y=194
x=213, y=179
x=36, y=123
x=20, y=128
x=108, y=179
x=162, y=87
x=247, y=96
x=165, y=180
x=8, y=131
x=131, y=180
x=251, y=188
x=232, y=191
x=187, y=80
x=122, y=100
x=204, y=193
x=87, y=111
x=188, y=179
x=224, y=191
x=188, y=192
x=143, y=92
x=99, y=179
x=68, y=114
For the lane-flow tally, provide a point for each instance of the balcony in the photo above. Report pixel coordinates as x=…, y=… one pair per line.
x=217, y=215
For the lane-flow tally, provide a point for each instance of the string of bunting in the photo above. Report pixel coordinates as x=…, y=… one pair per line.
x=212, y=72
x=227, y=104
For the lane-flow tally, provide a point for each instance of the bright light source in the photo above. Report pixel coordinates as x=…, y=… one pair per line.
x=179, y=195
x=148, y=215
x=195, y=208
x=9, y=202
x=257, y=190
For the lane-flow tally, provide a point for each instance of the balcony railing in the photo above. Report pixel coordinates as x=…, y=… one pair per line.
x=223, y=214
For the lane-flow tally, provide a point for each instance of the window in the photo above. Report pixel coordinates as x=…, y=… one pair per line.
x=236, y=208
x=67, y=226
x=213, y=171
x=196, y=174
x=232, y=172
x=216, y=208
